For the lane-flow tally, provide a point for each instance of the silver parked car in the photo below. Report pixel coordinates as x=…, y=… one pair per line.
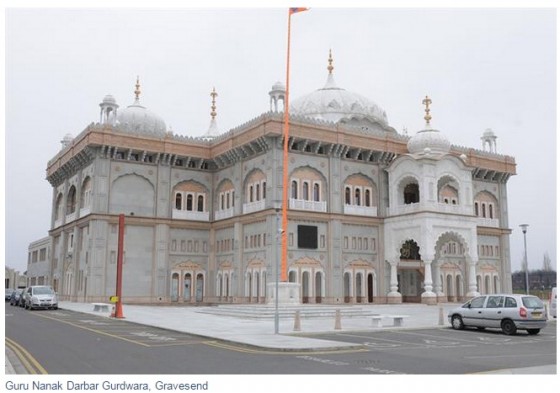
x=40, y=296
x=502, y=311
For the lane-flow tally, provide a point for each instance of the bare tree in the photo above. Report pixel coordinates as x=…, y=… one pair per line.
x=547, y=263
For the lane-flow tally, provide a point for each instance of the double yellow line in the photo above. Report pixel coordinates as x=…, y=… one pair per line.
x=27, y=360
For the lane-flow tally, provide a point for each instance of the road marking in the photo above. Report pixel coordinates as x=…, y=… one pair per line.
x=510, y=356
x=272, y=352
x=29, y=362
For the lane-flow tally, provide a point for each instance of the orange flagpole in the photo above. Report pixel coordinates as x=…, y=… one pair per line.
x=285, y=164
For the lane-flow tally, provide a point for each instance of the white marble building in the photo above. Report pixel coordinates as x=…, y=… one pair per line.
x=374, y=216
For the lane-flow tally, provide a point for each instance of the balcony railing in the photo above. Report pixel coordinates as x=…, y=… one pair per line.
x=190, y=215
x=316, y=206
x=85, y=211
x=57, y=223
x=71, y=217
x=221, y=214
x=488, y=222
x=430, y=207
x=361, y=210
x=253, y=206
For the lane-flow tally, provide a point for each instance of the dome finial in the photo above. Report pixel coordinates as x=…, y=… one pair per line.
x=213, y=94
x=330, y=67
x=427, y=101
x=137, y=91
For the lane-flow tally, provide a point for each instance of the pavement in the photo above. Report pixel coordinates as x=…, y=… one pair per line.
x=214, y=322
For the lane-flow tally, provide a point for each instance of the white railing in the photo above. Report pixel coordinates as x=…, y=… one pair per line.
x=57, y=223
x=300, y=204
x=85, y=211
x=431, y=207
x=221, y=214
x=253, y=206
x=361, y=210
x=190, y=215
x=71, y=217
x=488, y=222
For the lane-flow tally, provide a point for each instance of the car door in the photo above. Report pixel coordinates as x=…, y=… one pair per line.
x=472, y=314
x=492, y=313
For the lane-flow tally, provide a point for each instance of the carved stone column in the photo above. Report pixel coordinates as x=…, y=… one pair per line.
x=428, y=297
x=472, y=280
x=394, y=297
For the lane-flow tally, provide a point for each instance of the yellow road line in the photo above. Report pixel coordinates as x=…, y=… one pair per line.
x=29, y=362
x=95, y=331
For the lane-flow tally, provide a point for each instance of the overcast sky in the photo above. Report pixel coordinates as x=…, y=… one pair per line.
x=482, y=68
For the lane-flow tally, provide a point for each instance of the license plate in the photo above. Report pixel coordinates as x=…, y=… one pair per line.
x=536, y=314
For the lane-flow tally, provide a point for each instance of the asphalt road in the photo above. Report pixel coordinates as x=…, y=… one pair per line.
x=65, y=342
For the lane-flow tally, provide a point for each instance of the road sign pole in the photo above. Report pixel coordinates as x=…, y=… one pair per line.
x=118, y=305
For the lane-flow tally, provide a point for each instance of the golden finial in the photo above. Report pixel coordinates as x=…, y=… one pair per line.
x=137, y=91
x=427, y=101
x=330, y=67
x=213, y=95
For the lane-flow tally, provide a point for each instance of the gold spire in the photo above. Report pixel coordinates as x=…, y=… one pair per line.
x=137, y=91
x=427, y=101
x=213, y=95
x=330, y=67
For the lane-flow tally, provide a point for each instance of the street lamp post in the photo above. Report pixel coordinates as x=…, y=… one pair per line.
x=277, y=270
x=524, y=229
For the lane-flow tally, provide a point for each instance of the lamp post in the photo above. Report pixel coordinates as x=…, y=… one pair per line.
x=277, y=207
x=524, y=229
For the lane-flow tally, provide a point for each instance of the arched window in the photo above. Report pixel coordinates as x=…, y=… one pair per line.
x=222, y=205
x=357, y=197
x=250, y=193
x=294, y=189
x=85, y=200
x=368, y=198
x=305, y=191
x=178, y=201
x=490, y=211
x=476, y=209
x=71, y=201
x=484, y=210
x=189, y=202
x=347, y=196
x=411, y=194
x=257, y=192
x=316, y=192
x=263, y=190
x=200, y=205
x=58, y=211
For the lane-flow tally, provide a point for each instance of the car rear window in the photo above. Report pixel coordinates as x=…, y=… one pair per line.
x=532, y=302
x=43, y=291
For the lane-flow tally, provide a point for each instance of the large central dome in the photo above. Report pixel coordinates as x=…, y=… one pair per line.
x=335, y=104
x=136, y=119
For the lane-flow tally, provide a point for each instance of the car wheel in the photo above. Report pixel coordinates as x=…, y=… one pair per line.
x=457, y=322
x=532, y=332
x=508, y=327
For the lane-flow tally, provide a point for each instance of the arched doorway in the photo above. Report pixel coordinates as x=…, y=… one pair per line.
x=346, y=287
x=359, y=287
x=318, y=287
x=199, y=287
x=305, y=287
x=370, y=288
x=187, y=287
x=175, y=287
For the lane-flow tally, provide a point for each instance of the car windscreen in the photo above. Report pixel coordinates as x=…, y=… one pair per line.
x=532, y=302
x=42, y=291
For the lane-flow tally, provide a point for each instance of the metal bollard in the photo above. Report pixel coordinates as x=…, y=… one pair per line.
x=337, y=322
x=297, y=322
x=440, y=322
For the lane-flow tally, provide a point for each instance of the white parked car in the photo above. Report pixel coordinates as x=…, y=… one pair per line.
x=553, y=303
x=39, y=296
x=501, y=311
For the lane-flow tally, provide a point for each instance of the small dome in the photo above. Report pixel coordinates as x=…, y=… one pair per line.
x=109, y=99
x=278, y=86
x=488, y=133
x=429, y=141
x=137, y=119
